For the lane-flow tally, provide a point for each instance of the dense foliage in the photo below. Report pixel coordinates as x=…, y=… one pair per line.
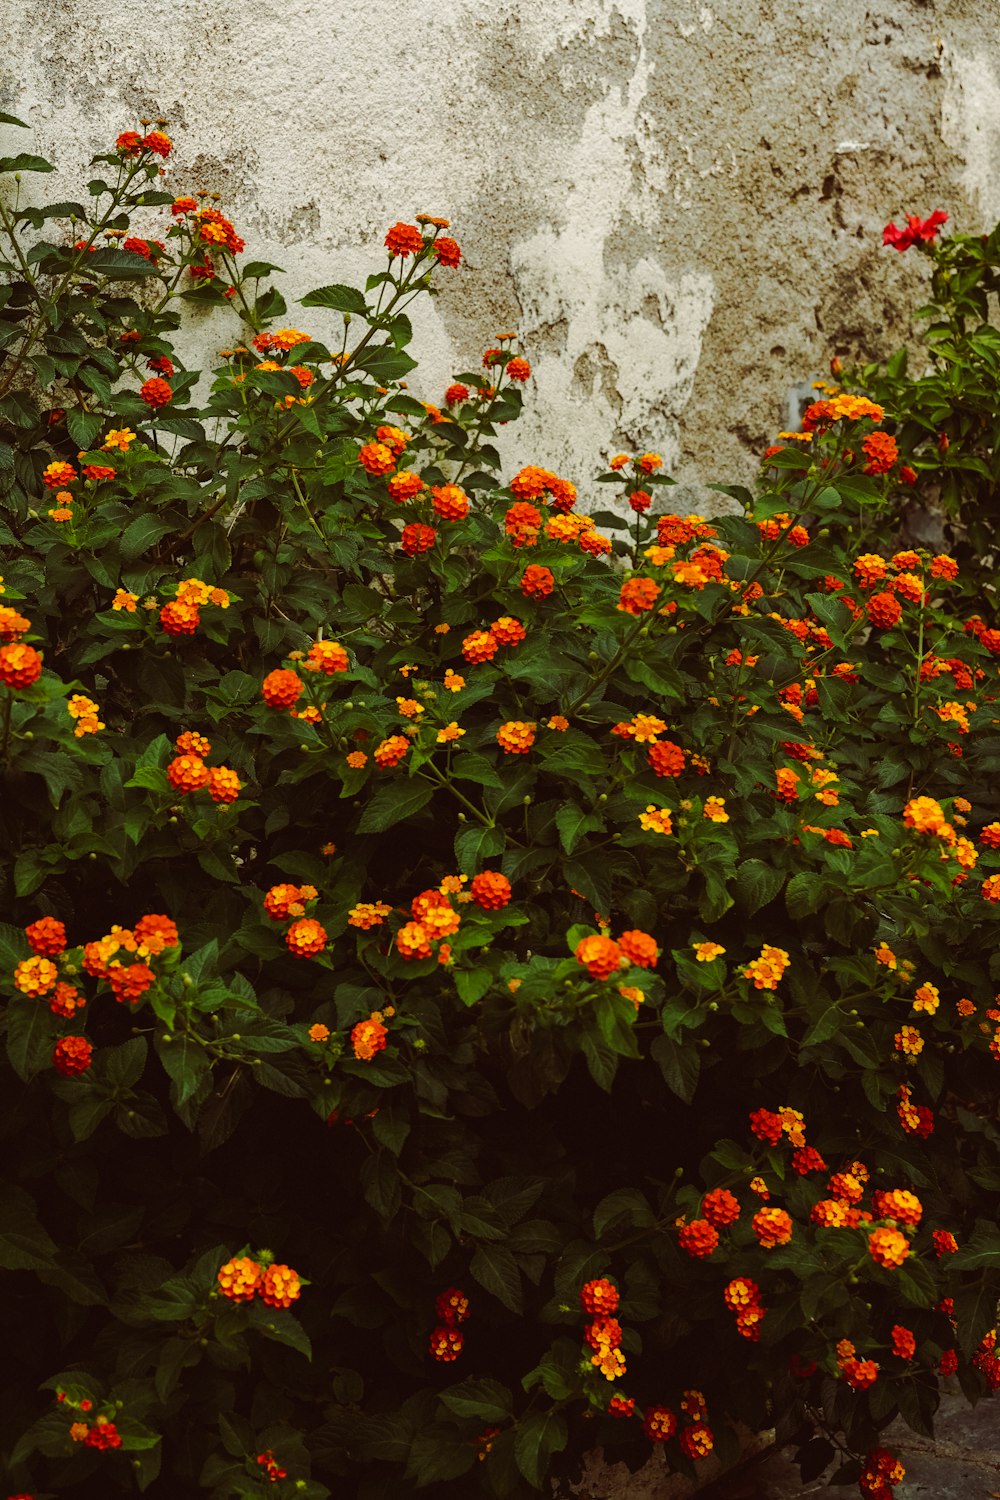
x=943, y=398
x=478, y=988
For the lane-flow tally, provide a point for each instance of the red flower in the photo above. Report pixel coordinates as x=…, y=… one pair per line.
x=881, y=452
x=699, y=1238
x=490, y=890
x=720, y=1207
x=537, y=582
x=447, y=252
x=155, y=392
x=47, y=936
x=20, y=665
x=404, y=240
x=884, y=611
x=282, y=688
x=417, y=538
x=659, y=1424
x=766, y=1126
x=179, y=618
x=452, y=1306
x=71, y=1055
x=159, y=143
x=599, y=1298
x=129, y=982
x=917, y=231
x=446, y=1343
x=666, y=758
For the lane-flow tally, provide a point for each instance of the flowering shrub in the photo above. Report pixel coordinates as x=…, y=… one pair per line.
x=483, y=979
x=944, y=401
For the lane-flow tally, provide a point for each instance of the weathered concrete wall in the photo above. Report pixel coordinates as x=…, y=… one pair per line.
x=678, y=204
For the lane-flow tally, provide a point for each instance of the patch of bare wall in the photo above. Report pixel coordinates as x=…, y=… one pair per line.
x=678, y=204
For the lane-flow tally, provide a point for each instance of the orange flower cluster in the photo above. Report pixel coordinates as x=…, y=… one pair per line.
x=743, y=1297
x=638, y=595
x=20, y=665
x=447, y=1340
x=767, y=969
x=273, y=1472
x=369, y=1037
x=858, y=1373
x=327, y=657
x=881, y=1474
x=182, y=614
x=245, y=1277
x=772, y=1226
x=490, y=890
x=698, y=1239
x=602, y=956
x=516, y=737
x=72, y=1056
x=187, y=772
x=417, y=538
x=916, y=1119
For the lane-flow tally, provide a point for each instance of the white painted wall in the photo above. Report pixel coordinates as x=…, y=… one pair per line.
x=677, y=204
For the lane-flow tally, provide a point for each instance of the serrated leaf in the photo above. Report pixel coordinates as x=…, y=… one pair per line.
x=680, y=1065
x=573, y=822
x=84, y=427
x=472, y=984
x=539, y=1436
x=280, y=1325
x=139, y=535
x=122, y=1066
x=31, y=1035
x=495, y=1268
x=24, y=162
x=483, y=1398
x=756, y=885
x=392, y=803
x=339, y=298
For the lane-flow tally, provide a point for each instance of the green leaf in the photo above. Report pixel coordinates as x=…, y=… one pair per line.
x=120, y=265
x=756, y=885
x=184, y=1061
x=436, y=1457
x=476, y=844
x=680, y=1065
x=472, y=984
x=31, y=1035
x=24, y=1244
x=340, y=298
x=625, y=1206
x=12, y=120
x=601, y=1058
x=573, y=822
x=804, y=895
x=495, y=1268
x=86, y=1113
x=539, y=1436
x=84, y=427
x=24, y=162
x=592, y=880
x=392, y=803
x=139, y=535
x=280, y=1325
x=122, y=1066
x=484, y=1398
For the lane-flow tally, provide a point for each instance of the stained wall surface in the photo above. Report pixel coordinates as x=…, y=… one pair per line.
x=677, y=204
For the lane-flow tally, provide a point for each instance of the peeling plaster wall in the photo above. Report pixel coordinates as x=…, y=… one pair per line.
x=678, y=204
